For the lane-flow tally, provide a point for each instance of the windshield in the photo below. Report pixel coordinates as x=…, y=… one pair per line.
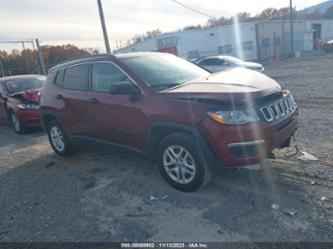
x=24, y=84
x=162, y=71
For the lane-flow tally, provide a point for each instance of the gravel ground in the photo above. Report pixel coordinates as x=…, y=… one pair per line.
x=106, y=196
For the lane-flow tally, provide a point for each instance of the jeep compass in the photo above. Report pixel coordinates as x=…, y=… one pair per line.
x=181, y=116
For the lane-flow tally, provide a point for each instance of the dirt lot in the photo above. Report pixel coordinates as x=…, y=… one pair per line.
x=107, y=196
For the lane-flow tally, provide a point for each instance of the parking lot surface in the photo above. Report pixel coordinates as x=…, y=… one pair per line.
x=118, y=196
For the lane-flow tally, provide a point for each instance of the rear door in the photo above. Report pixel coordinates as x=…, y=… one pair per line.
x=74, y=96
x=115, y=117
x=3, y=114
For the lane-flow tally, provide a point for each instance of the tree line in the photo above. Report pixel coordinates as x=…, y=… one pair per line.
x=26, y=61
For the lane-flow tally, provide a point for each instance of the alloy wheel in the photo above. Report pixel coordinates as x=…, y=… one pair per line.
x=16, y=123
x=179, y=164
x=57, y=138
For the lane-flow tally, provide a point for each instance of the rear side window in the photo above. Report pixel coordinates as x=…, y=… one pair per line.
x=77, y=78
x=105, y=76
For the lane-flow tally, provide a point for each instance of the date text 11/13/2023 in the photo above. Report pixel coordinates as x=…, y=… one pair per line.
x=164, y=245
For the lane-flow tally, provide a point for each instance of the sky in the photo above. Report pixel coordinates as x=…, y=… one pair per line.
x=77, y=21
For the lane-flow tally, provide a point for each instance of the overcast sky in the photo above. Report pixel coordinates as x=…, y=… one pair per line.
x=77, y=21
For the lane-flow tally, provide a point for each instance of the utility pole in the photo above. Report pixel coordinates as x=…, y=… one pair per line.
x=25, y=57
x=41, y=59
x=2, y=71
x=291, y=28
x=35, y=57
x=105, y=32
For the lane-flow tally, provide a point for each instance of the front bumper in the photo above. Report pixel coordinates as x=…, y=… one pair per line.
x=235, y=146
x=29, y=118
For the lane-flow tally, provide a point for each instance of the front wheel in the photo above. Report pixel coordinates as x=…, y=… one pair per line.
x=181, y=163
x=59, y=140
x=18, y=127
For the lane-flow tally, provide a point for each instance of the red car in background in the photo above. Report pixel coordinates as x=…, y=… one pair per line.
x=19, y=101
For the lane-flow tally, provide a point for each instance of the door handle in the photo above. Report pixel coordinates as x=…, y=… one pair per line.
x=59, y=97
x=94, y=101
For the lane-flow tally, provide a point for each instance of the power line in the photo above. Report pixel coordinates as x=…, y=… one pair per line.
x=193, y=9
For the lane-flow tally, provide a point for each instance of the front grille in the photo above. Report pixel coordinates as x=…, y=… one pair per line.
x=279, y=108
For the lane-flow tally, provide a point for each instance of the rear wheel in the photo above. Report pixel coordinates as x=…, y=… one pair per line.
x=18, y=127
x=181, y=163
x=59, y=139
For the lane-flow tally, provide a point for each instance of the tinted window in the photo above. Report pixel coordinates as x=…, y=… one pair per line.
x=211, y=62
x=105, y=76
x=24, y=84
x=77, y=78
x=60, y=78
x=162, y=71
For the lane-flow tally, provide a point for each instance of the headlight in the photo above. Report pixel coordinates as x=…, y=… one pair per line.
x=237, y=117
x=289, y=96
x=28, y=106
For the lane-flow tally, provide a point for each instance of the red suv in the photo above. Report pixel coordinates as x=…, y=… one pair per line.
x=19, y=101
x=180, y=115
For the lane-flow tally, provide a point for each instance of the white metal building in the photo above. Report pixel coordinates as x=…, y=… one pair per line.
x=274, y=36
x=249, y=41
x=203, y=42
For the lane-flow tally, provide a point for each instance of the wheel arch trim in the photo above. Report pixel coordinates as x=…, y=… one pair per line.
x=45, y=114
x=151, y=140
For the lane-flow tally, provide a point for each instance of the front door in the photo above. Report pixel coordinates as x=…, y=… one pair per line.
x=115, y=117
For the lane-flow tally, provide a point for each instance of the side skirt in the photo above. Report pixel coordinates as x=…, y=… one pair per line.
x=103, y=145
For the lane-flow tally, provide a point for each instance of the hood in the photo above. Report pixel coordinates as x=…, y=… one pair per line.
x=28, y=95
x=238, y=84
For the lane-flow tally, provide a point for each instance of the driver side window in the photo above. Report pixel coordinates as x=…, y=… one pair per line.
x=106, y=76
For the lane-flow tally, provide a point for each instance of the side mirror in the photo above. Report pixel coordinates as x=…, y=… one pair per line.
x=125, y=88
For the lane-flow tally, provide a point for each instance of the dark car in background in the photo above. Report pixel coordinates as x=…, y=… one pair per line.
x=19, y=101
x=178, y=114
x=222, y=62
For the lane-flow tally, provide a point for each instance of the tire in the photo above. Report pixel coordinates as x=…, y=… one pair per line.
x=16, y=123
x=181, y=163
x=59, y=139
x=285, y=143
